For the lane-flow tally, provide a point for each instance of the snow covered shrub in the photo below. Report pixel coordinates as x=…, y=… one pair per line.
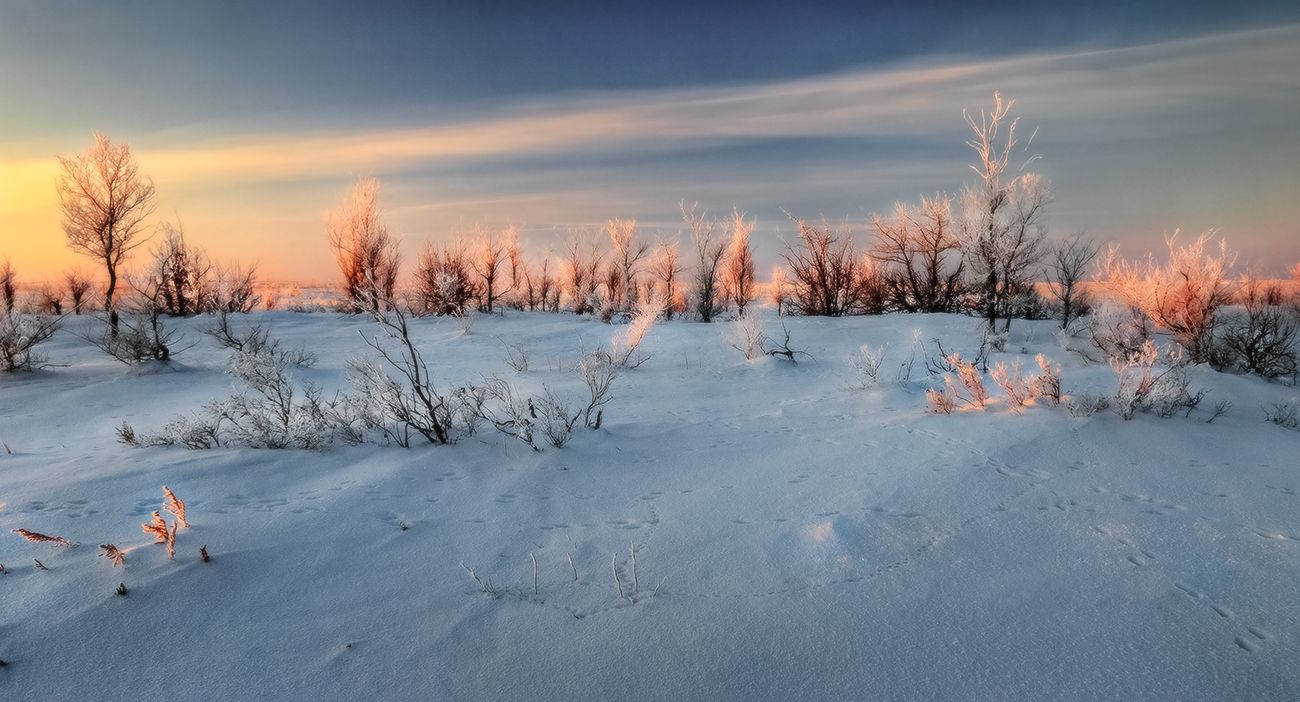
x=141, y=336
x=257, y=340
x=746, y=336
x=1182, y=296
x=625, y=346
x=20, y=334
x=1142, y=386
x=271, y=408
x=942, y=401
x=444, y=282
x=1261, y=339
x=1013, y=383
x=866, y=363
x=1087, y=405
x=710, y=299
x=976, y=395
x=517, y=358
x=1047, y=383
x=1284, y=414
x=1118, y=330
x=598, y=372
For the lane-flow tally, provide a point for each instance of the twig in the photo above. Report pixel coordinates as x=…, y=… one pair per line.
x=613, y=565
x=636, y=581
x=39, y=565
x=567, y=555
x=534, y=560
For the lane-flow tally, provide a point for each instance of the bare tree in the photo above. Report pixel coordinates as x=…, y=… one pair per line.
x=628, y=253
x=366, y=253
x=1262, y=338
x=78, y=285
x=581, y=273
x=181, y=275
x=1003, y=233
x=517, y=265
x=710, y=254
x=20, y=334
x=667, y=267
x=1070, y=262
x=105, y=201
x=921, y=255
x=827, y=276
x=738, y=275
x=490, y=257
x=8, y=286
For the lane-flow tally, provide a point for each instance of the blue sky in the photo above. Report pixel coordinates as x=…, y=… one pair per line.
x=254, y=117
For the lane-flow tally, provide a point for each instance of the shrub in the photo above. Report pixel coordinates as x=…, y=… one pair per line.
x=1182, y=296
x=1261, y=339
x=866, y=363
x=444, y=282
x=921, y=256
x=827, y=277
x=1142, y=386
x=20, y=334
x=625, y=347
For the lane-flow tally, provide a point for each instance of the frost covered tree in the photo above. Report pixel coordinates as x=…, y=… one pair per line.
x=581, y=273
x=710, y=254
x=105, y=201
x=1003, y=233
x=1182, y=295
x=366, y=254
x=667, y=268
x=738, y=273
x=627, y=255
x=921, y=255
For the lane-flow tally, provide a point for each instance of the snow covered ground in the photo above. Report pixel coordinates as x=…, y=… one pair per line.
x=795, y=539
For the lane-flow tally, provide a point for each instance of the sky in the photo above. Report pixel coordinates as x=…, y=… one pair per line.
x=254, y=118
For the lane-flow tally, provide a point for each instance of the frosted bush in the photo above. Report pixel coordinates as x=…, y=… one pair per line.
x=746, y=335
x=625, y=347
x=866, y=362
x=1144, y=386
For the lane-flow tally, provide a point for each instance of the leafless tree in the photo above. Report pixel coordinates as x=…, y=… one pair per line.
x=78, y=285
x=8, y=286
x=234, y=290
x=490, y=258
x=710, y=254
x=51, y=301
x=739, y=267
x=1071, y=260
x=1003, y=231
x=581, y=273
x=828, y=278
x=181, y=275
x=667, y=268
x=105, y=201
x=1262, y=338
x=921, y=255
x=627, y=255
x=367, y=255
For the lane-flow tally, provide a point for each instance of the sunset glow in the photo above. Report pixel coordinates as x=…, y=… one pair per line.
x=1216, y=148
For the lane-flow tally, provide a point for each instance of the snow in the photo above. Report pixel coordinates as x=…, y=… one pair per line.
x=795, y=538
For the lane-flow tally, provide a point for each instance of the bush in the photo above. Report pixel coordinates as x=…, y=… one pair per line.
x=828, y=278
x=20, y=334
x=1142, y=386
x=1182, y=296
x=1261, y=339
